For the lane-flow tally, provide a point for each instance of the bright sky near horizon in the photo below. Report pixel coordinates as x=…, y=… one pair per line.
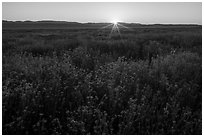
x=132, y=12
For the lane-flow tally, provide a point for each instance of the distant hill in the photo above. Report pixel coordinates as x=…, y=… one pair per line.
x=39, y=24
x=50, y=24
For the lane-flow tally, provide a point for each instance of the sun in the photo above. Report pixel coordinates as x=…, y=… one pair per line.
x=115, y=22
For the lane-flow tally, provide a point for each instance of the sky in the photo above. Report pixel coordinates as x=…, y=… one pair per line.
x=131, y=12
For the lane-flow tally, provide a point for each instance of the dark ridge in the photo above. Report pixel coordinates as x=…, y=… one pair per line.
x=51, y=24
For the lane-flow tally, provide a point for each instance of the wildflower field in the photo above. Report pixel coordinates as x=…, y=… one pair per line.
x=147, y=80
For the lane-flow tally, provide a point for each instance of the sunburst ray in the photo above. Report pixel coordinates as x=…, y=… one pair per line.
x=106, y=26
x=125, y=27
x=116, y=28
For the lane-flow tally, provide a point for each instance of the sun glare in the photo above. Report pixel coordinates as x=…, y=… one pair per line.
x=115, y=22
x=115, y=26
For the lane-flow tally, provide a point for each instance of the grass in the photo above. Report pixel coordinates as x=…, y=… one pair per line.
x=80, y=83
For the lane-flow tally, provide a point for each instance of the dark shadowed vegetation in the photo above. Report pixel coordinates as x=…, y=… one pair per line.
x=83, y=81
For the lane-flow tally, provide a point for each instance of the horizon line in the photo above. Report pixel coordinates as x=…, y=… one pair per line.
x=102, y=22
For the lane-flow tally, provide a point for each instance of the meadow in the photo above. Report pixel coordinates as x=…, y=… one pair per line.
x=146, y=81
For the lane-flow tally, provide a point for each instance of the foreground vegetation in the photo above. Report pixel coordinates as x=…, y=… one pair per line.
x=86, y=82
